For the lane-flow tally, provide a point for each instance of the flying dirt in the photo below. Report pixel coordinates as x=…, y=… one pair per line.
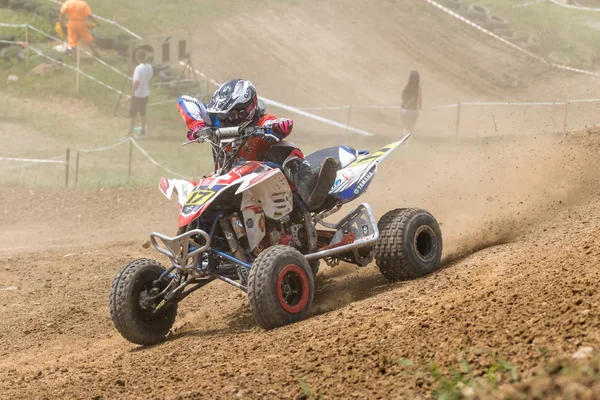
x=512, y=302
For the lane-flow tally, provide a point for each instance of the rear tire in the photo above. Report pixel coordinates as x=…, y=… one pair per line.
x=280, y=287
x=410, y=244
x=130, y=313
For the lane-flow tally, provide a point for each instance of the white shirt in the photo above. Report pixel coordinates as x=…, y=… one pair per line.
x=142, y=73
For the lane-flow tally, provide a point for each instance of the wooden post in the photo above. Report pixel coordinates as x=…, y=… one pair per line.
x=566, y=113
x=67, y=165
x=76, y=168
x=130, y=156
x=77, y=80
x=349, y=115
x=27, y=43
x=458, y=118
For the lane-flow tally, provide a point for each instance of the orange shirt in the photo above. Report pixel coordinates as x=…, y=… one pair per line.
x=76, y=10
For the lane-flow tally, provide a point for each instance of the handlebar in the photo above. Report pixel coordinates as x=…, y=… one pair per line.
x=229, y=133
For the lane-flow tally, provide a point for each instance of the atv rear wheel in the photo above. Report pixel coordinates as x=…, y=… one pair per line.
x=131, y=305
x=280, y=287
x=410, y=244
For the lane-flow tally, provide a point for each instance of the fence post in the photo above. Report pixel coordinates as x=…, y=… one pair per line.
x=130, y=156
x=76, y=167
x=67, y=164
x=566, y=113
x=27, y=43
x=77, y=77
x=349, y=115
x=458, y=118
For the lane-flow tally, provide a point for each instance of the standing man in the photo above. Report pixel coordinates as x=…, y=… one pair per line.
x=140, y=91
x=77, y=12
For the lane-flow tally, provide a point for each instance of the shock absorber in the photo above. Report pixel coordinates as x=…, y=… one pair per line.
x=238, y=226
x=232, y=239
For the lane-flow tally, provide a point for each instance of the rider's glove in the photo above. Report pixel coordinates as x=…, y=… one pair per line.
x=194, y=132
x=273, y=137
x=282, y=126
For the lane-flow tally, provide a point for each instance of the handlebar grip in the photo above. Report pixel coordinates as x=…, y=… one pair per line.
x=229, y=133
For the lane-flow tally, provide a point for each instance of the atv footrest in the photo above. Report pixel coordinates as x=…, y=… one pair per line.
x=358, y=229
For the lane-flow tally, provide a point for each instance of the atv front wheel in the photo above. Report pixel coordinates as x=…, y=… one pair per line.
x=410, y=244
x=132, y=303
x=280, y=287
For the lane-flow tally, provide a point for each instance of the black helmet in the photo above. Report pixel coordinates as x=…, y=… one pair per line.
x=235, y=102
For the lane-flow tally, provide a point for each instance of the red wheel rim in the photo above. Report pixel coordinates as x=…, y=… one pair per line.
x=292, y=288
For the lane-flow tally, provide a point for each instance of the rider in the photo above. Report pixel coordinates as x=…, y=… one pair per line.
x=236, y=103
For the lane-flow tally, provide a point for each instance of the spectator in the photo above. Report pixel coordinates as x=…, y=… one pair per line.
x=411, y=103
x=140, y=91
x=77, y=12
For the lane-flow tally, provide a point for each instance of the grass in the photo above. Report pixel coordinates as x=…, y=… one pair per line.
x=306, y=390
x=572, y=36
x=457, y=381
x=49, y=106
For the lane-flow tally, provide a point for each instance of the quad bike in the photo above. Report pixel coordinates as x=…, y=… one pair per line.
x=243, y=224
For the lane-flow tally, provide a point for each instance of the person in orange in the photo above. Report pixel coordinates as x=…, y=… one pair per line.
x=77, y=12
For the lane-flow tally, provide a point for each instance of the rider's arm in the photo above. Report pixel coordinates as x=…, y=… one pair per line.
x=194, y=114
x=134, y=86
x=281, y=127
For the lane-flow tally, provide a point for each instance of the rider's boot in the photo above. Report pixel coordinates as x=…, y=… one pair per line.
x=312, y=184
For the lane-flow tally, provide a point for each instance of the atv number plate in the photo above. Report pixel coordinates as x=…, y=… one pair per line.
x=199, y=197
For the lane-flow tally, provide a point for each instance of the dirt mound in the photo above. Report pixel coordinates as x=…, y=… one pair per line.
x=314, y=53
x=522, y=302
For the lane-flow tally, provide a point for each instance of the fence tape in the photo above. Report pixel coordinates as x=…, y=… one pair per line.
x=158, y=103
x=482, y=29
x=528, y=3
x=474, y=25
x=297, y=110
x=585, y=101
x=573, y=7
x=111, y=146
x=29, y=164
x=13, y=25
x=82, y=50
x=581, y=71
x=144, y=152
x=155, y=162
x=40, y=53
x=508, y=103
x=33, y=160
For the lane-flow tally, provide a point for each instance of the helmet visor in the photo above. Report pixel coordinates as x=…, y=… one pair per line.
x=233, y=117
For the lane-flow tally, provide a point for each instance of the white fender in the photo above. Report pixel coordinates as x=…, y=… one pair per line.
x=182, y=187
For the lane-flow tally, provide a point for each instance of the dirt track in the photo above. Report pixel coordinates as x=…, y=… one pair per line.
x=526, y=300
x=520, y=219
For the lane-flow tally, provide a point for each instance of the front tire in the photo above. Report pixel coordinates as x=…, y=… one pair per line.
x=410, y=244
x=280, y=287
x=130, y=305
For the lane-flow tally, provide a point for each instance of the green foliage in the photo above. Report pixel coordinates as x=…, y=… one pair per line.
x=306, y=391
x=571, y=30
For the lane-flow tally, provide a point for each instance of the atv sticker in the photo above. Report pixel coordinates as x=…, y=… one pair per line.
x=364, y=182
x=199, y=197
x=372, y=157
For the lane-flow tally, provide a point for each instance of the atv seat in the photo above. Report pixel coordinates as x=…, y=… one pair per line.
x=344, y=156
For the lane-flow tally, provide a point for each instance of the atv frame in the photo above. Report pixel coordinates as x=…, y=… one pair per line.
x=357, y=230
